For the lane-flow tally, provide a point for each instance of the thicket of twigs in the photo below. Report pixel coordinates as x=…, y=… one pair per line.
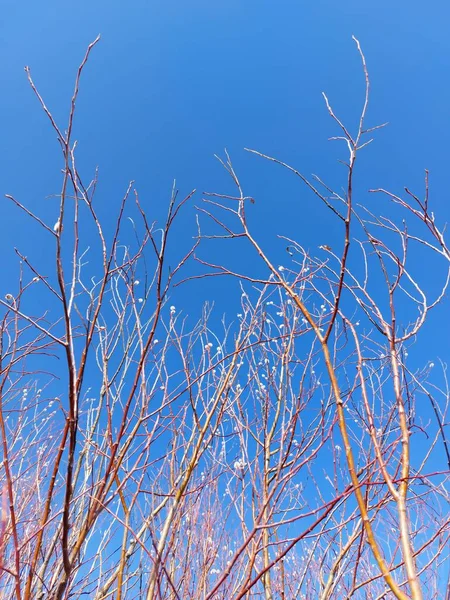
x=290, y=454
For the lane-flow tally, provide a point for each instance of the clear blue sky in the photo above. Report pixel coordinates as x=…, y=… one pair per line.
x=172, y=83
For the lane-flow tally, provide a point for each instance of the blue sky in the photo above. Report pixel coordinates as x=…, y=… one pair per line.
x=173, y=83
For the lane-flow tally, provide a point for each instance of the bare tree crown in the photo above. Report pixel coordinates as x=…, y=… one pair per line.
x=290, y=452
